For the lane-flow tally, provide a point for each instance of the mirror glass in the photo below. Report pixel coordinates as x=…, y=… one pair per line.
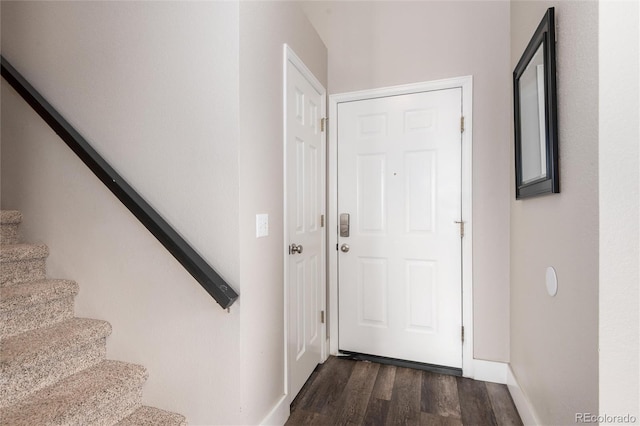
x=532, y=112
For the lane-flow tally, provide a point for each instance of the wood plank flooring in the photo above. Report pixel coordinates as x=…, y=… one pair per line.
x=347, y=392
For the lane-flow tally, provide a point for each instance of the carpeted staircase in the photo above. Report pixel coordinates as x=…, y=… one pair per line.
x=53, y=369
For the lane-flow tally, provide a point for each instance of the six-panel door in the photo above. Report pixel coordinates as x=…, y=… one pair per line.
x=306, y=260
x=399, y=178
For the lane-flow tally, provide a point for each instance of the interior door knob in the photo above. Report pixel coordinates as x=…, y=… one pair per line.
x=344, y=248
x=295, y=248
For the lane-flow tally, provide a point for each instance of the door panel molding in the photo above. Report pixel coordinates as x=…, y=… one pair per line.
x=313, y=177
x=465, y=83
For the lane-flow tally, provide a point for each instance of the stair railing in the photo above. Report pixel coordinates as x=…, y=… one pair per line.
x=208, y=278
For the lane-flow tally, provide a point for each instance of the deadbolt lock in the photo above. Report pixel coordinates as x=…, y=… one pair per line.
x=344, y=225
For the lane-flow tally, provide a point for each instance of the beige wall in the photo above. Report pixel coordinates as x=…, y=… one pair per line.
x=264, y=27
x=154, y=86
x=145, y=95
x=554, y=340
x=619, y=176
x=375, y=44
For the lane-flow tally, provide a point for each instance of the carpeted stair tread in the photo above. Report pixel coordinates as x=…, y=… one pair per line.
x=9, y=223
x=37, y=304
x=10, y=217
x=20, y=295
x=38, y=358
x=150, y=416
x=21, y=252
x=22, y=263
x=91, y=396
x=28, y=348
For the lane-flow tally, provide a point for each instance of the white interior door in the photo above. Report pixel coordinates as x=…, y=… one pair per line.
x=399, y=179
x=304, y=233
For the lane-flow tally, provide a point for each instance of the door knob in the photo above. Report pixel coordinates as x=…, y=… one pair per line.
x=295, y=248
x=344, y=248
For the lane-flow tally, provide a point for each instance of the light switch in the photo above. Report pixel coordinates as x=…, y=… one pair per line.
x=262, y=225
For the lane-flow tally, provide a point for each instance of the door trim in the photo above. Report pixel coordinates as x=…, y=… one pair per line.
x=289, y=56
x=466, y=84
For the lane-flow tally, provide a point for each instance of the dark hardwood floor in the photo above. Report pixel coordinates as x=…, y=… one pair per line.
x=347, y=392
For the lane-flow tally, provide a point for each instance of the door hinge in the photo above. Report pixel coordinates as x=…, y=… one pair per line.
x=321, y=221
x=323, y=123
x=461, y=223
x=462, y=333
x=321, y=317
x=462, y=124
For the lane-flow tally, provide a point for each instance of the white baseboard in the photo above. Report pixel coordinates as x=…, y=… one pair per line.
x=279, y=414
x=525, y=409
x=490, y=371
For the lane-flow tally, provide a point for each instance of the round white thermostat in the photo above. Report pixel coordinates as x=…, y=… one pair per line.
x=552, y=281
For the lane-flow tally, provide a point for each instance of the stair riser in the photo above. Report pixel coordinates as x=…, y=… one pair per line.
x=109, y=410
x=20, y=381
x=9, y=234
x=149, y=416
x=34, y=316
x=22, y=271
x=117, y=409
x=98, y=395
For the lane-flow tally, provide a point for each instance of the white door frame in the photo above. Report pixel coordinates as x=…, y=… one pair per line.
x=290, y=56
x=466, y=84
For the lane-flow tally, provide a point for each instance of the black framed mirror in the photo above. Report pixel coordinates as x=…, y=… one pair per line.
x=536, y=115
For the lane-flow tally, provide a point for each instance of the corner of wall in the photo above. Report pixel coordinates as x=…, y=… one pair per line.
x=521, y=401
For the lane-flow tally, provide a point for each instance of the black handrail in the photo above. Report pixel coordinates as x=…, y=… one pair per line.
x=209, y=279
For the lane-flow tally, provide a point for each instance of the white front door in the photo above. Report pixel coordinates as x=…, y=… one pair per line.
x=304, y=233
x=399, y=180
